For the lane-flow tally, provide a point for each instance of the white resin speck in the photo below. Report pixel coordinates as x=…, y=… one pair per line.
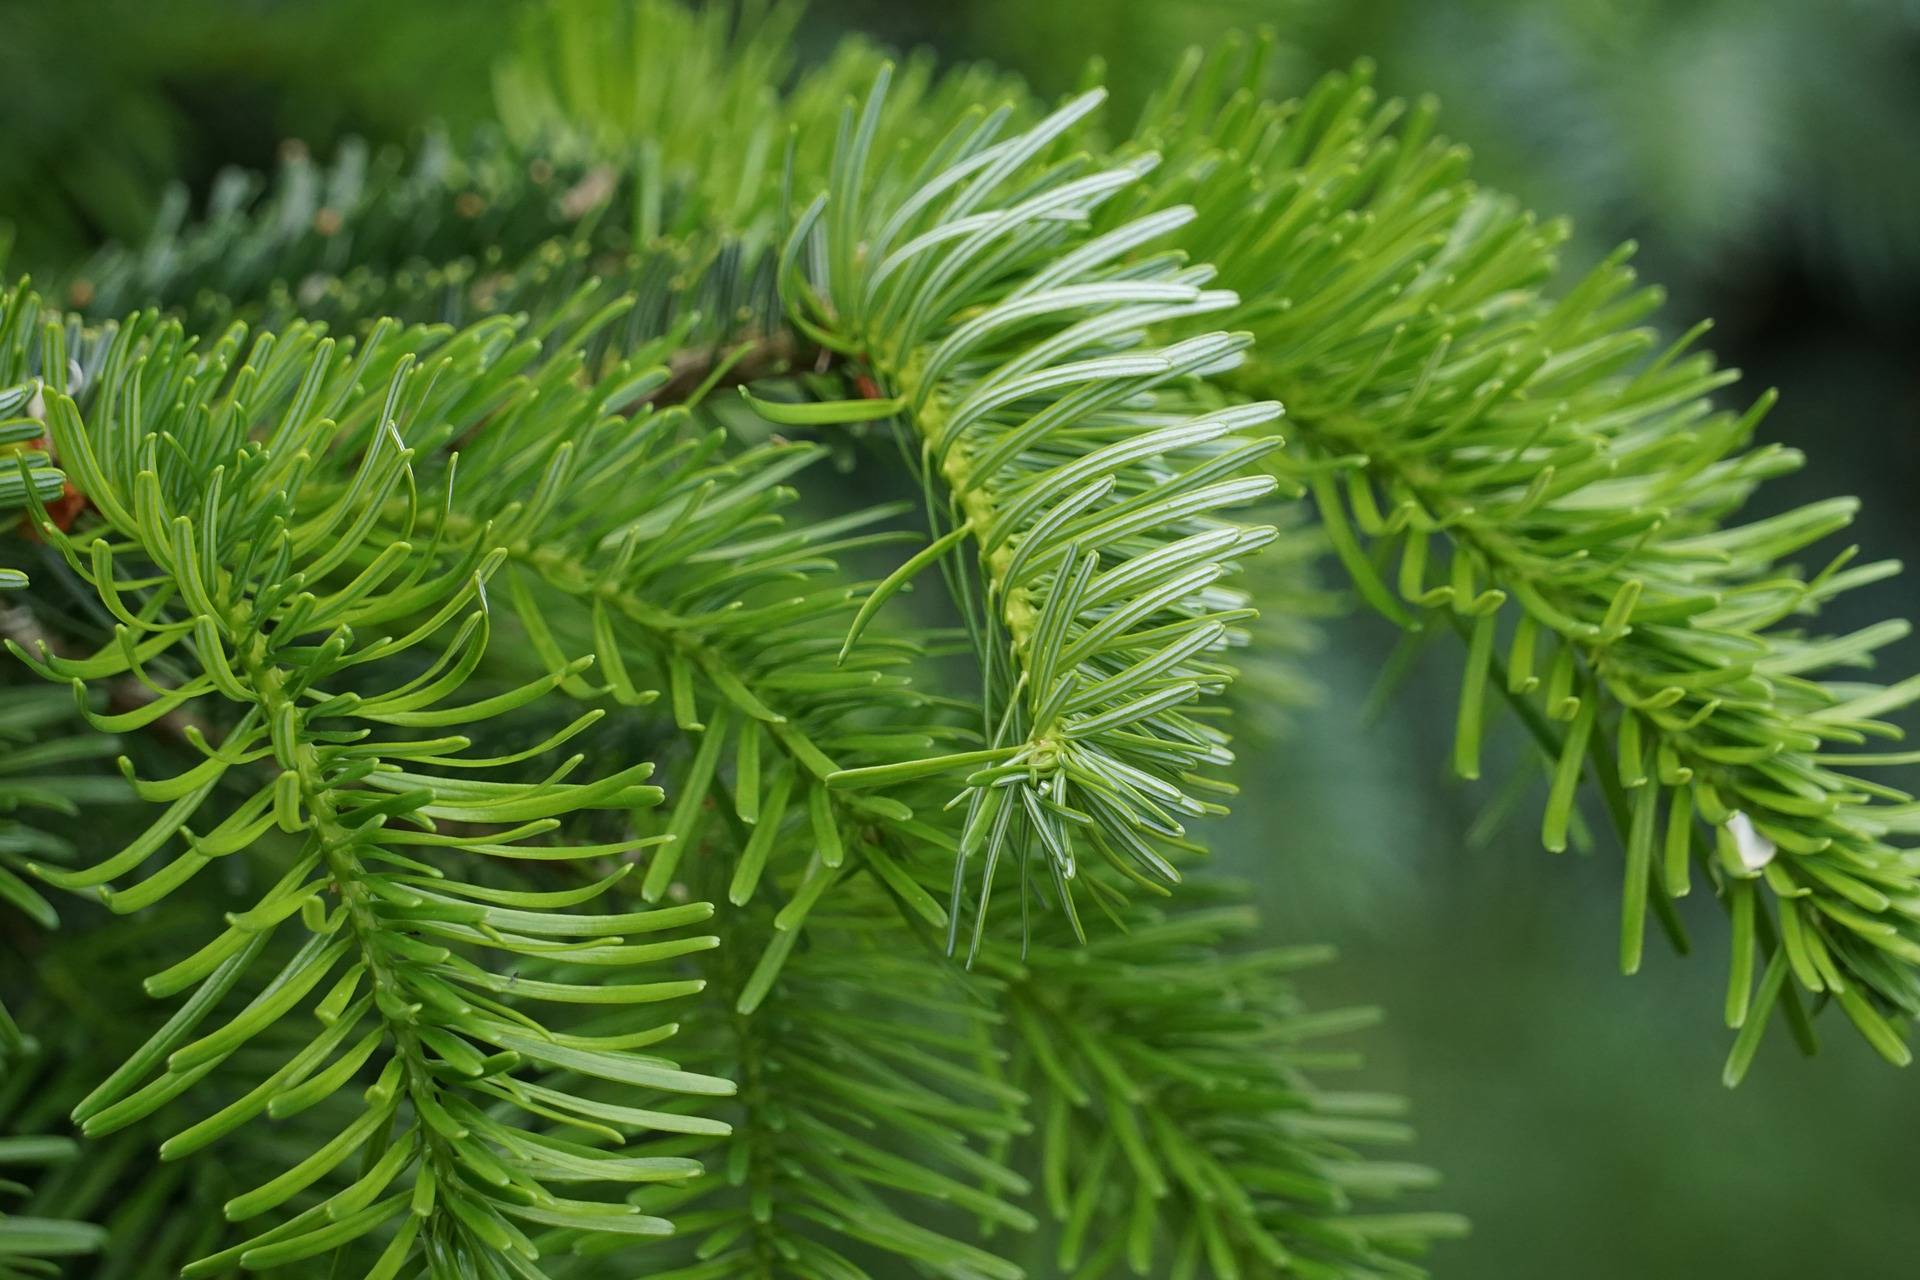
x=1756, y=851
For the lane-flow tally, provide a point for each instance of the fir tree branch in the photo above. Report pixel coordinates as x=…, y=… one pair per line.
x=869, y=1099
x=1181, y=1130
x=1068, y=465
x=1484, y=447
x=271, y=639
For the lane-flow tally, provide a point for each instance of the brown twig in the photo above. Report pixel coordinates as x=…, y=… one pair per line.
x=766, y=356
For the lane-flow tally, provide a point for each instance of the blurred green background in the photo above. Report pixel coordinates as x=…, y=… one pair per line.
x=1766, y=155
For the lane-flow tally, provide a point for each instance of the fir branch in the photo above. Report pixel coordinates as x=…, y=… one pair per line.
x=1181, y=1131
x=1531, y=462
x=1019, y=302
x=257, y=591
x=870, y=1098
x=155, y=1218
x=42, y=775
x=363, y=215
x=674, y=570
x=1075, y=460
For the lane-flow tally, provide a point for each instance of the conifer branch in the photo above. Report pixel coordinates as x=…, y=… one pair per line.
x=1533, y=465
x=1067, y=465
x=1179, y=1127
x=310, y=546
x=278, y=642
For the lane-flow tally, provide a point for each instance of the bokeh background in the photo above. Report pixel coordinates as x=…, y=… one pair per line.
x=1766, y=156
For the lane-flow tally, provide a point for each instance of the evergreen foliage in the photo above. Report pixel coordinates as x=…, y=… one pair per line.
x=405, y=515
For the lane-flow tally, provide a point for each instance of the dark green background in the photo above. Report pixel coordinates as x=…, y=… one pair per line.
x=1766, y=154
